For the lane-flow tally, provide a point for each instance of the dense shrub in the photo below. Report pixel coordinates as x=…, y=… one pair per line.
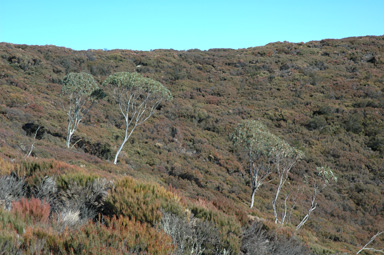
x=113, y=236
x=141, y=201
x=116, y=236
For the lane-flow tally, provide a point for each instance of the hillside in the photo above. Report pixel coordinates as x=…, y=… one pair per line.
x=322, y=97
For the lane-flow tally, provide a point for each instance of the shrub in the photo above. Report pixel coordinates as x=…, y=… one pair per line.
x=35, y=208
x=84, y=201
x=317, y=122
x=11, y=223
x=11, y=189
x=355, y=123
x=192, y=236
x=142, y=201
x=8, y=246
x=118, y=236
x=376, y=143
x=228, y=227
x=66, y=180
x=47, y=190
x=257, y=240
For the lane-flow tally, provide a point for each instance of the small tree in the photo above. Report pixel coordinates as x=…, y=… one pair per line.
x=325, y=177
x=257, y=142
x=83, y=92
x=265, y=151
x=137, y=98
x=284, y=157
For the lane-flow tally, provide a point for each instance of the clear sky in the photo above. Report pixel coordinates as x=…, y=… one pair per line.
x=182, y=25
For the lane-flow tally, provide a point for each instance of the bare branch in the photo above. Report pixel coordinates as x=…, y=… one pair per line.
x=313, y=207
x=73, y=145
x=370, y=241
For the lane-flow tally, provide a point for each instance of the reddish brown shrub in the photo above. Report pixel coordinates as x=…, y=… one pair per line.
x=35, y=208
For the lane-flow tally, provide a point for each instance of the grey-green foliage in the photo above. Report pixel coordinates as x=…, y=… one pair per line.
x=326, y=174
x=255, y=137
x=82, y=91
x=258, y=143
x=11, y=189
x=81, y=84
x=137, y=98
x=134, y=82
x=9, y=246
x=47, y=191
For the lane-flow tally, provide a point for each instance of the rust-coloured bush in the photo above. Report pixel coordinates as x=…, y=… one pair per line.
x=118, y=236
x=35, y=208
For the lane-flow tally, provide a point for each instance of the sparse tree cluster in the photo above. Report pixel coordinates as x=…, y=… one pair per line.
x=270, y=155
x=136, y=96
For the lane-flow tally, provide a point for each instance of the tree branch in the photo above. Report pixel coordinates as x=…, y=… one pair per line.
x=370, y=241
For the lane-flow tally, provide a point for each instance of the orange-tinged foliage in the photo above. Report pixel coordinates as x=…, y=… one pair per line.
x=118, y=236
x=113, y=236
x=35, y=208
x=142, y=201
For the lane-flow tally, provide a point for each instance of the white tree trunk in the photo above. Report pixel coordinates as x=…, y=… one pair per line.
x=69, y=137
x=313, y=207
x=126, y=137
x=253, y=197
x=119, y=150
x=276, y=197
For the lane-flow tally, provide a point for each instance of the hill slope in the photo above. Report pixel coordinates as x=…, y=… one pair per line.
x=325, y=98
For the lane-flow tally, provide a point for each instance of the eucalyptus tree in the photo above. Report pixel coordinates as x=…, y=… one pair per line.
x=283, y=157
x=325, y=176
x=256, y=140
x=137, y=98
x=83, y=92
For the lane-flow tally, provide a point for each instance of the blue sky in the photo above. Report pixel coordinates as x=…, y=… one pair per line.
x=182, y=25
